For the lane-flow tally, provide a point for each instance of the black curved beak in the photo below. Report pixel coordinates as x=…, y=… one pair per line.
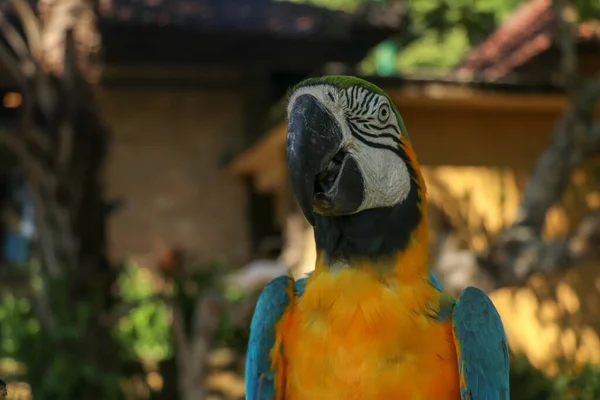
x=313, y=139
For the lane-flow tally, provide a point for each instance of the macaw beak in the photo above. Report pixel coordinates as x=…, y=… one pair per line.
x=325, y=179
x=313, y=139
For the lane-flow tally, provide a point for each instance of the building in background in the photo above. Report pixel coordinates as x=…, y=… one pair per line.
x=188, y=82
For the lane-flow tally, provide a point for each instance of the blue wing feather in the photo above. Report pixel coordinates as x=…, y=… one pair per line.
x=433, y=280
x=270, y=307
x=483, y=348
x=446, y=304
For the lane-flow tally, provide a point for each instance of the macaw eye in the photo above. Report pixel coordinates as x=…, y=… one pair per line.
x=384, y=112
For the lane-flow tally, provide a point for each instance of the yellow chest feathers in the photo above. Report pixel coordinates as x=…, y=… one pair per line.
x=350, y=336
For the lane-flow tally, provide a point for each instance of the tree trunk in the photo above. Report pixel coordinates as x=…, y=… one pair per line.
x=61, y=144
x=520, y=251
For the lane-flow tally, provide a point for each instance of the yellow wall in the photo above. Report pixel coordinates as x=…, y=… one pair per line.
x=554, y=317
x=551, y=316
x=477, y=137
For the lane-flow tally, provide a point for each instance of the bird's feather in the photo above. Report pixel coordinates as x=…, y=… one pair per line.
x=481, y=346
x=272, y=304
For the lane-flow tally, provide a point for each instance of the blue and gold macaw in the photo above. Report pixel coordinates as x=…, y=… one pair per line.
x=372, y=321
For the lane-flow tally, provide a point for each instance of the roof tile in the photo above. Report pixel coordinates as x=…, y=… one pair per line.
x=527, y=33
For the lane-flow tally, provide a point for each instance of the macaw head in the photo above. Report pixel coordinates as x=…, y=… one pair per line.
x=352, y=167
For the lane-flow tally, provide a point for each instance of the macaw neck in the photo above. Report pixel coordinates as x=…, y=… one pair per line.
x=382, y=238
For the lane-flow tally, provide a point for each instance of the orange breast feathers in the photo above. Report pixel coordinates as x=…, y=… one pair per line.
x=352, y=336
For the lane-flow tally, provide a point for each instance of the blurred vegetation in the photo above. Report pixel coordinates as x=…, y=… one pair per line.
x=56, y=365
x=144, y=332
x=341, y=5
x=438, y=33
x=528, y=383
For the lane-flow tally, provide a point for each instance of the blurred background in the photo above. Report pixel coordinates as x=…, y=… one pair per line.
x=144, y=196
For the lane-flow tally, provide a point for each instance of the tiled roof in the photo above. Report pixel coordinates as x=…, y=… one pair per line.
x=266, y=16
x=527, y=33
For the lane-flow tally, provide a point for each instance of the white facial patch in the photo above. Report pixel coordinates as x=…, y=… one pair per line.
x=371, y=134
x=326, y=94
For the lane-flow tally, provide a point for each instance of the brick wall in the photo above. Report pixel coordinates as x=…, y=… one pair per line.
x=165, y=163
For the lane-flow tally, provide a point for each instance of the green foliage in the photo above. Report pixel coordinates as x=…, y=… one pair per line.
x=58, y=360
x=528, y=383
x=15, y=322
x=341, y=5
x=435, y=38
x=439, y=34
x=57, y=363
x=582, y=385
x=145, y=331
x=586, y=9
x=426, y=53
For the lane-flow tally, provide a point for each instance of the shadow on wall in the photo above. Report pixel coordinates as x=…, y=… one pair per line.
x=554, y=317
x=478, y=202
